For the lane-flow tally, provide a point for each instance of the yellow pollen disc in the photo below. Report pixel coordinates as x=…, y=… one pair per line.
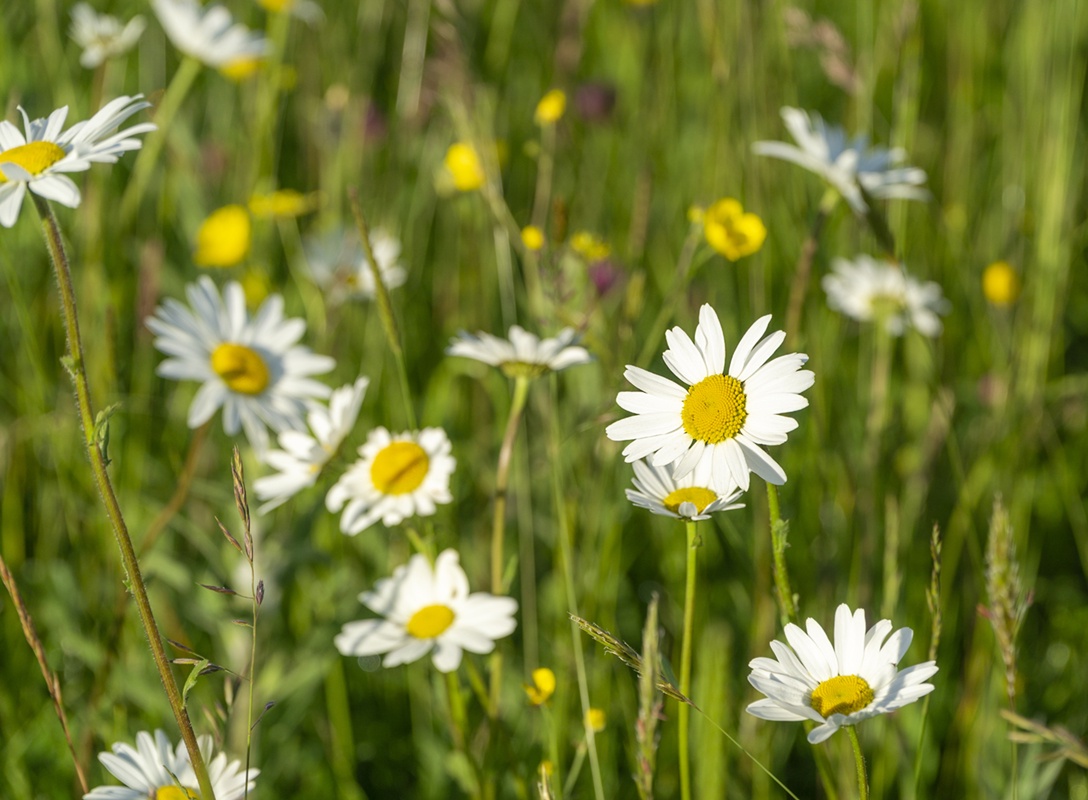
x=843, y=694
x=714, y=409
x=242, y=369
x=696, y=495
x=430, y=621
x=399, y=468
x=35, y=157
x=175, y=793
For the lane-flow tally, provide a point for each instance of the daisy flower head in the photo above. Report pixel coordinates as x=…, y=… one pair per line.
x=397, y=476
x=523, y=355
x=38, y=156
x=148, y=770
x=723, y=416
x=868, y=290
x=691, y=497
x=425, y=608
x=304, y=454
x=837, y=684
x=845, y=163
x=251, y=367
x=340, y=267
x=208, y=33
x=102, y=36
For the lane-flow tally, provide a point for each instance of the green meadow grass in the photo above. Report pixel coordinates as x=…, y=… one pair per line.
x=987, y=97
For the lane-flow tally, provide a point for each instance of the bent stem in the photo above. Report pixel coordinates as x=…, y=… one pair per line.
x=685, y=664
x=59, y=257
x=859, y=761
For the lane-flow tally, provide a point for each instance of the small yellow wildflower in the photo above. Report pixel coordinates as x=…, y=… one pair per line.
x=283, y=203
x=589, y=246
x=463, y=165
x=532, y=237
x=596, y=719
x=1000, y=284
x=223, y=238
x=543, y=686
x=241, y=69
x=732, y=232
x=551, y=107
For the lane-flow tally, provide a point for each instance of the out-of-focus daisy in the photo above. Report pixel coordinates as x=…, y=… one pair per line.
x=869, y=290
x=224, y=237
x=551, y=107
x=304, y=455
x=841, y=684
x=463, y=165
x=397, y=476
x=249, y=366
x=283, y=204
x=1000, y=284
x=691, y=497
x=425, y=609
x=148, y=770
x=844, y=163
x=732, y=232
x=722, y=416
x=523, y=355
x=39, y=158
x=102, y=36
x=208, y=33
x=340, y=267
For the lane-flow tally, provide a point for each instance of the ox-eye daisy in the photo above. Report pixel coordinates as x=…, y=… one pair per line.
x=425, y=609
x=250, y=367
x=304, y=455
x=397, y=476
x=102, y=36
x=875, y=291
x=340, y=267
x=826, y=150
x=148, y=771
x=722, y=416
x=208, y=33
x=523, y=355
x=38, y=158
x=841, y=684
x=692, y=497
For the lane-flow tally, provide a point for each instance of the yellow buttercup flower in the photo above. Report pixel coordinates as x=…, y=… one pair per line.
x=731, y=231
x=1000, y=284
x=551, y=107
x=223, y=238
x=463, y=164
x=283, y=203
x=532, y=237
x=589, y=246
x=543, y=686
x=596, y=719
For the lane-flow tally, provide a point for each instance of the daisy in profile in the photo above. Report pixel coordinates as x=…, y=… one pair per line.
x=101, y=36
x=838, y=684
x=869, y=290
x=691, y=497
x=523, y=354
x=425, y=609
x=304, y=455
x=148, y=770
x=721, y=416
x=208, y=33
x=39, y=156
x=340, y=267
x=397, y=476
x=252, y=368
x=844, y=163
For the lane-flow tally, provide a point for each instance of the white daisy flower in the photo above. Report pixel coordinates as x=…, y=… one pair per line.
x=146, y=771
x=840, y=684
x=340, y=267
x=102, y=36
x=722, y=416
x=868, y=290
x=691, y=497
x=397, y=476
x=826, y=150
x=208, y=33
x=38, y=158
x=250, y=367
x=523, y=355
x=425, y=609
x=304, y=455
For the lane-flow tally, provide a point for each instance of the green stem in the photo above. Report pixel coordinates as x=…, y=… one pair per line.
x=55, y=244
x=459, y=725
x=678, y=290
x=685, y=663
x=153, y=143
x=859, y=761
x=801, y=273
x=779, y=533
x=268, y=98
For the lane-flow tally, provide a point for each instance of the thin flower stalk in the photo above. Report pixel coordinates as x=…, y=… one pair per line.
x=787, y=603
x=685, y=660
x=679, y=289
x=55, y=244
x=803, y=271
x=859, y=763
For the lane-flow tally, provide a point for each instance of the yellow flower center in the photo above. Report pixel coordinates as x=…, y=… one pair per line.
x=241, y=368
x=175, y=793
x=522, y=369
x=843, y=694
x=696, y=495
x=35, y=157
x=399, y=468
x=430, y=621
x=714, y=409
